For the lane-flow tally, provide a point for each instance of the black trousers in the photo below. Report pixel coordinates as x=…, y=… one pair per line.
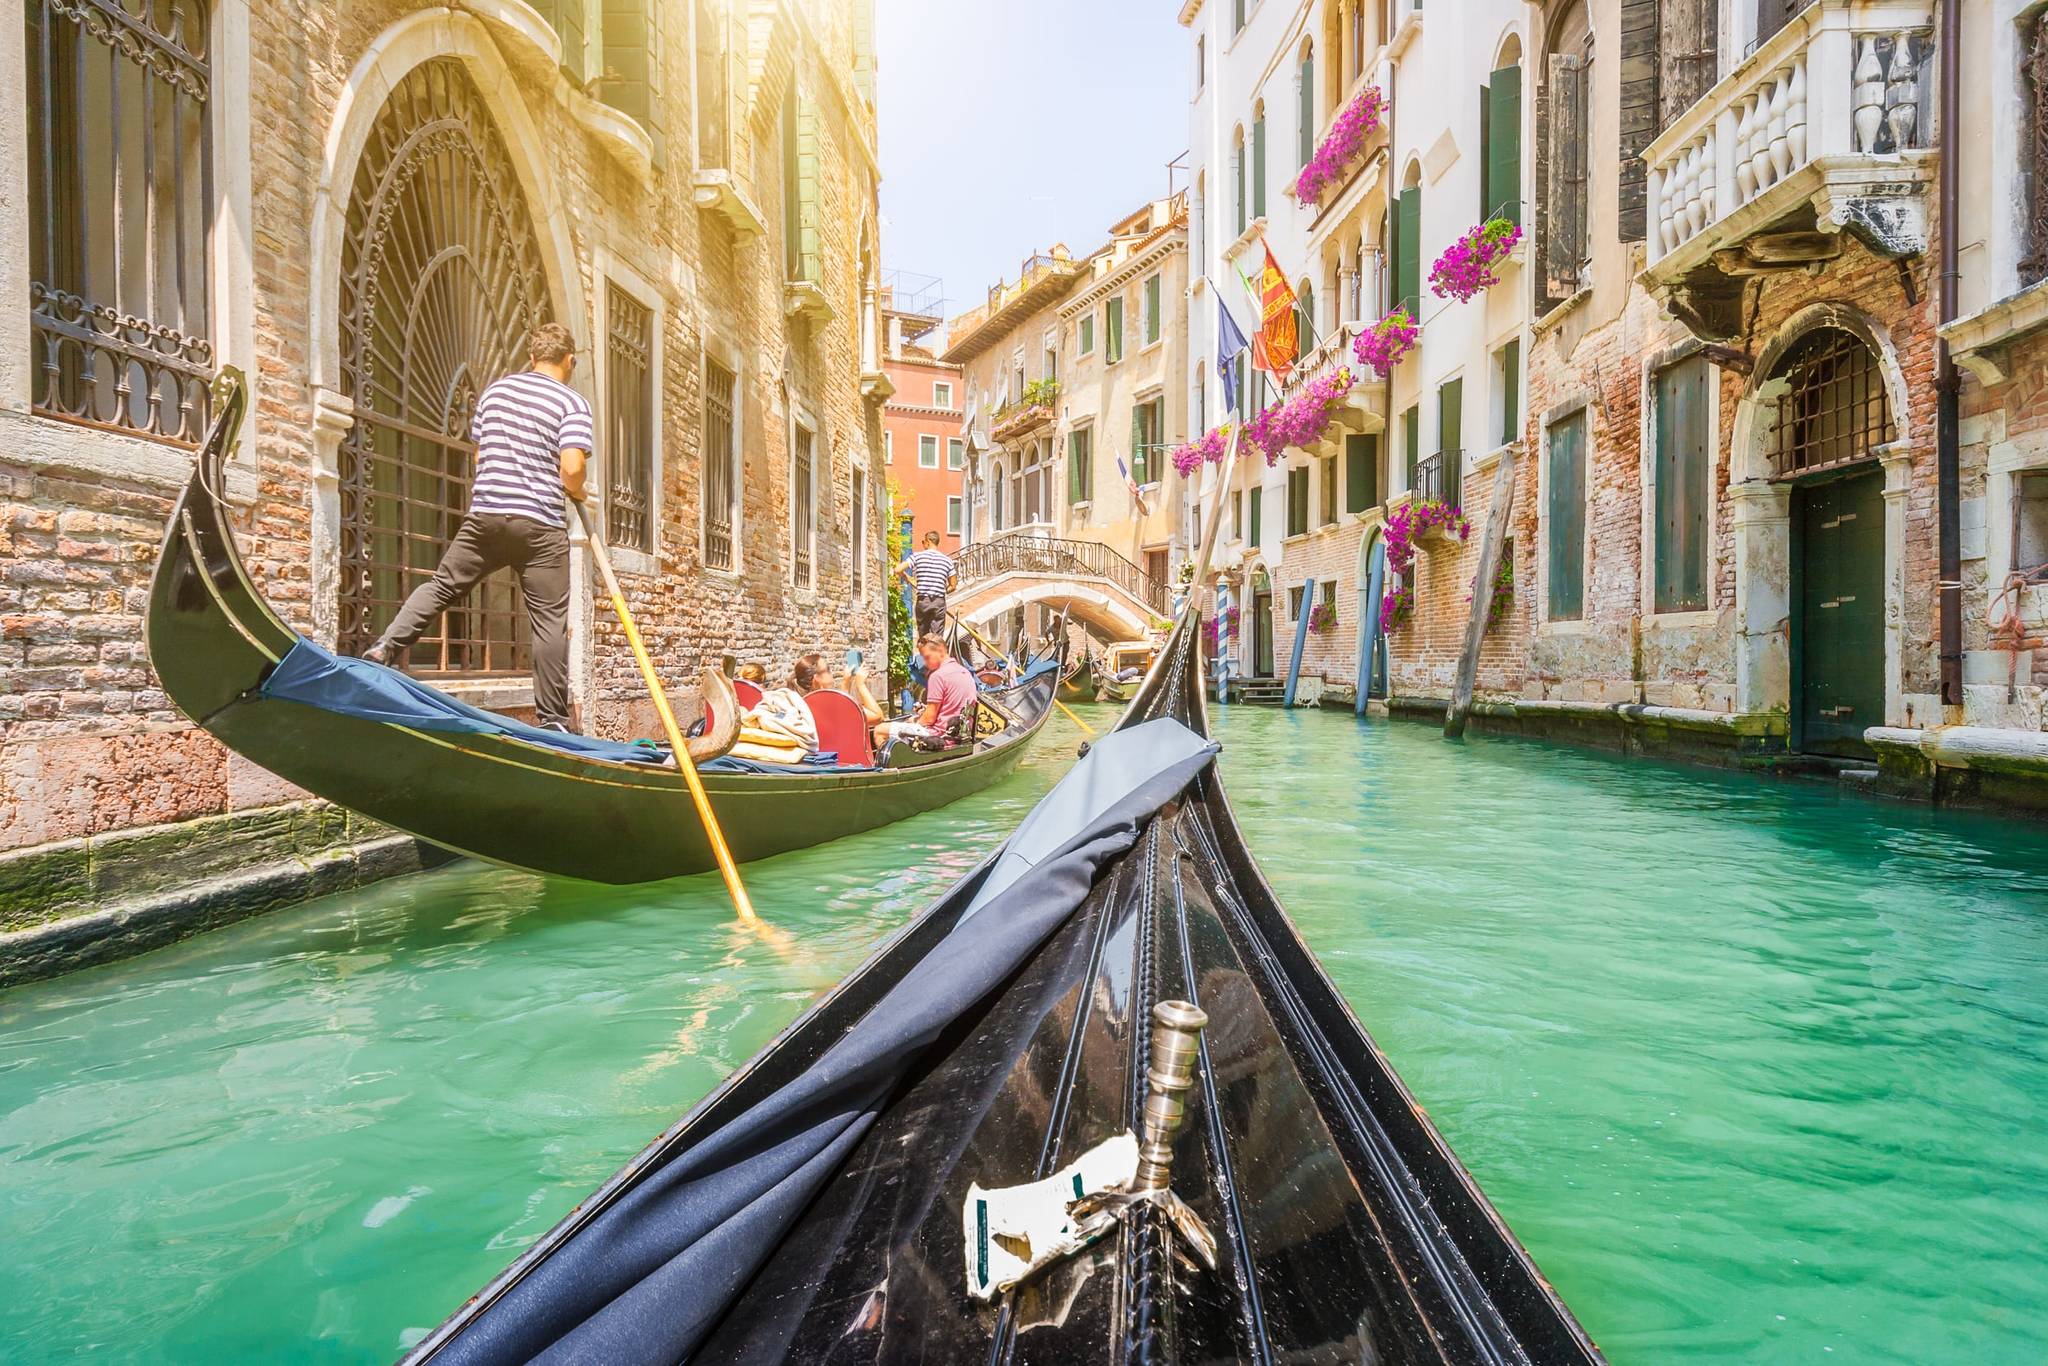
x=485, y=543
x=931, y=614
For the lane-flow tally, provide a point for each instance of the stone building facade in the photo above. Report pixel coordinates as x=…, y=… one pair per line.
x=923, y=450
x=364, y=208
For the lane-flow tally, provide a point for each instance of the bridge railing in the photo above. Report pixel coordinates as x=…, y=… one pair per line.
x=1032, y=554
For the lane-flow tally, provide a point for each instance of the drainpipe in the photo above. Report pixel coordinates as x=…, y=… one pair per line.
x=1947, y=382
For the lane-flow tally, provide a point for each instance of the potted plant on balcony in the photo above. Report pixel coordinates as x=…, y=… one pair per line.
x=1382, y=346
x=1300, y=420
x=1423, y=525
x=1469, y=266
x=1345, y=140
x=1322, y=618
x=1206, y=449
x=1396, y=606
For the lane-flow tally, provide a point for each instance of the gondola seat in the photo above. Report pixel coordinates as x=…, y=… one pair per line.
x=842, y=727
x=748, y=693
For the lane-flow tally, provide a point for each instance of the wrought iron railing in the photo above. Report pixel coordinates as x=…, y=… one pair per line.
x=1033, y=554
x=1436, y=479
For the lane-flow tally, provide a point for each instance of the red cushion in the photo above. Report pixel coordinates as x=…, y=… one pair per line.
x=842, y=728
x=749, y=694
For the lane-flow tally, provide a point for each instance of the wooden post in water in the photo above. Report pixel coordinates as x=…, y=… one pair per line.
x=1482, y=595
x=1369, y=633
x=1308, y=598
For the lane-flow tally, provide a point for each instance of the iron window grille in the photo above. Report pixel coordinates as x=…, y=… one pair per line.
x=1834, y=410
x=803, y=494
x=629, y=386
x=859, y=499
x=441, y=284
x=720, y=479
x=120, y=206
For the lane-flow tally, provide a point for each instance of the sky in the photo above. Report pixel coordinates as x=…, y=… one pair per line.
x=1008, y=127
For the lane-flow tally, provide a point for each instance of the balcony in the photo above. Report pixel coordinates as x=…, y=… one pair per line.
x=1364, y=408
x=1825, y=127
x=1043, y=281
x=1437, y=478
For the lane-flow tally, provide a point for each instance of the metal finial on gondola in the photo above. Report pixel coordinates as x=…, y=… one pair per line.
x=1176, y=1047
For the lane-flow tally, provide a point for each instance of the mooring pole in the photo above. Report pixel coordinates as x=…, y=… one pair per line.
x=1482, y=595
x=1369, y=613
x=1308, y=605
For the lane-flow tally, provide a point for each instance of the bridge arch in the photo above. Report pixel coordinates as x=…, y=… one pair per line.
x=1106, y=612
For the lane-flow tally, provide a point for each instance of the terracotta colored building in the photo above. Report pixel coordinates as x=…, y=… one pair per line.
x=924, y=452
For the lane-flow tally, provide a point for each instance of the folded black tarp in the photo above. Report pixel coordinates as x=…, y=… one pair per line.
x=650, y=1274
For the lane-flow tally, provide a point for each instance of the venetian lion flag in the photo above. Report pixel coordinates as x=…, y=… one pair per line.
x=1278, y=343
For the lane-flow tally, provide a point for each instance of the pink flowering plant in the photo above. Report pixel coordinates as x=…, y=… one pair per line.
x=1359, y=121
x=1503, y=591
x=1302, y=418
x=1322, y=618
x=1470, y=265
x=1381, y=346
x=1410, y=520
x=1396, y=606
x=1217, y=630
x=1206, y=449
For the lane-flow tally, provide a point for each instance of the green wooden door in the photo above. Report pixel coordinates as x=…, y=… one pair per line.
x=1838, y=656
x=1262, y=635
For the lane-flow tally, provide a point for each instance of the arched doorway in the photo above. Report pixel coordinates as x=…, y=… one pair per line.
x=1262, y=623
x=1830, y=416
x=440, y=283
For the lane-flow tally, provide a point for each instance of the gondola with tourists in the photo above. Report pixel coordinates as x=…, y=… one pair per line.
x=389, y=747
x=1097, y=1103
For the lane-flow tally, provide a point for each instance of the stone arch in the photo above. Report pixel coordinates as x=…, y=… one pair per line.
x=387, y=60
x=1090, y=606
x=1507, y=49
x=1755, y=414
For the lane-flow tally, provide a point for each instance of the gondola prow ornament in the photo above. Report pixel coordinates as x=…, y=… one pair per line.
x=1012, y=1234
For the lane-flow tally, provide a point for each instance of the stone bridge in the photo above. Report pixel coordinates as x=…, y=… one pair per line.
x=1098, y=587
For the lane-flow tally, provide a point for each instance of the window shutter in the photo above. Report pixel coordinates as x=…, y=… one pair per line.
x=1563, y=227
x=1566, y=497
x=1510, y=391
x=1297, y=501
x=1074, y=494
x=1450, y=429
x=1408, y=252
x=1137, y=443
x=1411, y=436
x=566, y=17
x=1259, y=167
x=632, y=61
x=1682, y=487
x=1503, y=125
x=1257, y=506
x=1237, y=169
x=1687, y=48
x=1305, y=309
x=1308, y=108
x=1329, y=490
x=1639, y=118
x=1361, y=466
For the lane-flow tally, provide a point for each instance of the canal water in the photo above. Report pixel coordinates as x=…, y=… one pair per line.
x=1757, y=1072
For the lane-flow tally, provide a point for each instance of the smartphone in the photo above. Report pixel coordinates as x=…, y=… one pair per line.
x=853, y=658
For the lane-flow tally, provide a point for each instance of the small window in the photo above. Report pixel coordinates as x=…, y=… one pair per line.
x=953, y=516
x=2030, y=521
x=1682, y=471
x=942, y=394
x=803, y=481
x=956, y=453
x=721, y=463
x=629, y=406
x=1834, y=410
x=1237, y=513
x=1294, y=596
x=888, y=448
x=1148, y=440
x=927, y=452
x=1329, y=587
x=1084, y=336
x=1152, y=310
x=1297, y=501
x=1113, y=331
x=1507, y=392
x=859, y=499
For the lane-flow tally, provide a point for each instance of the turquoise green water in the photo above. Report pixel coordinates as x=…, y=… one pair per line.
x=1757, y=1073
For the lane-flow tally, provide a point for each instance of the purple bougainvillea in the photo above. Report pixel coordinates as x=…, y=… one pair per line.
x=1468, y=266
x=1381, y=346
x=1301, y=419
x=1395, y=608
x=1359, y=121
x=1322, y=618
x=1206, y=449
x=1411, y=520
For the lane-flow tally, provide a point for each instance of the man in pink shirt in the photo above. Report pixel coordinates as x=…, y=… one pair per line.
x=949, y=690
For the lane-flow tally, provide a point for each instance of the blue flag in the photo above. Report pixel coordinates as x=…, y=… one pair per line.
x=1230, y=344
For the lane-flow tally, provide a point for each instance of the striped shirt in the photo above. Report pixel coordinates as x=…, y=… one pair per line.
x=522, y=424
x=931, y=571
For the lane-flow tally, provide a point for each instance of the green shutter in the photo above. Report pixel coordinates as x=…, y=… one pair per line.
x=1329, y=490
x=1252, y=531
x=1152, y=310
x=1306, y=317
x=1113, y=331
x=1237, y=157
x=1308, y=108
x=1450, y=435
x=632, y=61
x=1682, y=467
x=1074, y=494
x=1137, y=441
x=1297, y=501
x=1503, y=168
x=1259, y=167
x=1408, y=252
x=1411, y=436
x=1511, y=391
x=1565, y=498
x=1361, y=471
x=566, y=18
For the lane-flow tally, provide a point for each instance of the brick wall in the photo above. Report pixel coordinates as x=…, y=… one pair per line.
x=91, y=745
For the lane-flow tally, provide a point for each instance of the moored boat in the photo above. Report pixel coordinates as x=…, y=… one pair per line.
x=391, y=748
x=1123, y=666
x=831, y=1201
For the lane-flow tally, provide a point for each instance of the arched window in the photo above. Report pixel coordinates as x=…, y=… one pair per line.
x=1405, y=215
x=1834, y=410
x=1564, y=219
x=1259, y=159
x=1237, y=176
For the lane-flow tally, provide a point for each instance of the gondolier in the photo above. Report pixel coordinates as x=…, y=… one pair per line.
x=533, y=437
x=931, y=575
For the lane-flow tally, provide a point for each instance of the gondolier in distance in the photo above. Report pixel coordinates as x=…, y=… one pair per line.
x=533, y=437
x=931, y=574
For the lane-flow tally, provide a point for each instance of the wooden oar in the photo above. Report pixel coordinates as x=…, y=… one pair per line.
x=993, y=649
x=688, y=769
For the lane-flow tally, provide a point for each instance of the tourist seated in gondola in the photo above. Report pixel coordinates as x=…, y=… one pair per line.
x=949, y=691
x=756, y=674
x=779, y=729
